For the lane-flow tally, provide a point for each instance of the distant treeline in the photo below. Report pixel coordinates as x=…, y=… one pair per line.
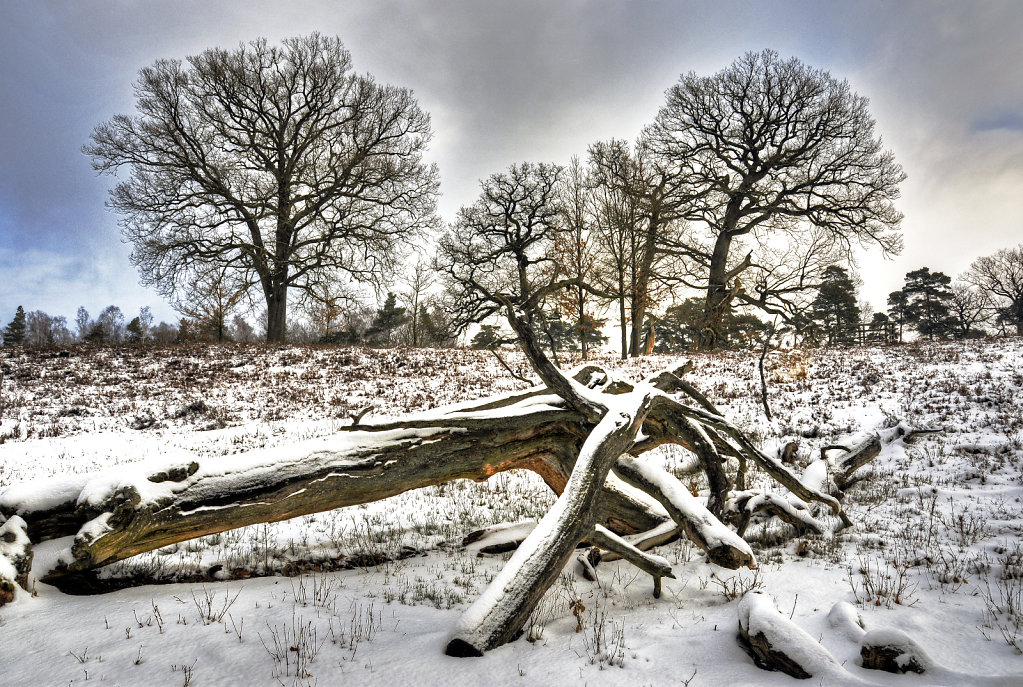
x=987, y=298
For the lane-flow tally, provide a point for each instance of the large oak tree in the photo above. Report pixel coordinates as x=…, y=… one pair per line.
x=275, y=161
x=774, y=151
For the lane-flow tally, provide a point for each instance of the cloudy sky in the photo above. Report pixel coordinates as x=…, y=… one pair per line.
x=513, y=81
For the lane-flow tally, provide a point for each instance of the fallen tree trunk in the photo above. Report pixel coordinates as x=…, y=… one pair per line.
x=121, y=513
x=134, y=509
x=572, y=439
x=501, y=611
x=854, y=458
x=866, y=450
x=776, y=643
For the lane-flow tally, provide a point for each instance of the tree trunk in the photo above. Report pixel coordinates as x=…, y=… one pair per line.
x=161, y=505
x=641, y=286
x=763, y=376
x=717, y=293
x=581, y=304
x=625, y=327
x=277, y=312
x=495, y=618
x=636, y=329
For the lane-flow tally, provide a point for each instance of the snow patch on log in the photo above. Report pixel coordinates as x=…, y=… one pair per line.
x=499, y=538
x=845, y=619
x=780, y=644
x=816, y=475
x=32, y=497
x=706, y=531
x=15, y=557
x=500, y=611
x=748, y=503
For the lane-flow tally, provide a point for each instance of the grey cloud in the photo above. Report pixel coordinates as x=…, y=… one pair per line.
x=510, y=81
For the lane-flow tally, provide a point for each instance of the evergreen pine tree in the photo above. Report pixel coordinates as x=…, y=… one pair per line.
x=898, y=309
x=489, y=336
x=835, y=306
x=928, y=299
x=388, y=319
x=134, y=329
x=97, y=334
x=14, y=332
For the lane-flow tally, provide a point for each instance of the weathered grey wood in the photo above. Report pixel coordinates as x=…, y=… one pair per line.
x=866, y=450
x=500, y=613
x=893, y=651
x=665, y=533
x=695, y=525
x=856, y=457
x=655, y=566
x=540, y=431
x=772, y=504
x=777, y=643
x=771, y=466
x=420, y=454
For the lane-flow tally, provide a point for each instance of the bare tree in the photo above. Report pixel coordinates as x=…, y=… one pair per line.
x=145, y=321
x=242, y=331
x=418, y=282
x=325, y=303
x=276, y=162
x=112, y=321
x=214, y=292
x=576, y=252
x=1001, y=275
x=970, y=307
x=640, y=200
x=164, y=333
x=46, y=330
x=616, y=222
x=498, y=254
x=82, y=323
x=768, y=146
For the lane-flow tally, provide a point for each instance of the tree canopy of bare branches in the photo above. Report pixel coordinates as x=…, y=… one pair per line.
x=1001, y=275
x=499, y=252
x=638, y=206
x=275, y=161
x=774, y=148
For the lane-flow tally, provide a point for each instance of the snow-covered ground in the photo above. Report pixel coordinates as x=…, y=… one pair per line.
x=937, y=551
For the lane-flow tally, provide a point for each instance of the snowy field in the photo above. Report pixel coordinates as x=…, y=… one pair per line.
x=368, y=595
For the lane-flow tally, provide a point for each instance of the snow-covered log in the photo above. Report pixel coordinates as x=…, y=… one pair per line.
x=503, y=608
x=655, y=566
x=854, y=458
x=571, y=438
x=723, y=546
x=664, y=533
x=111, y=515
x=892, y=651
x=743, y=505
x=777, y=643
x=15, y=557
x=866, y=450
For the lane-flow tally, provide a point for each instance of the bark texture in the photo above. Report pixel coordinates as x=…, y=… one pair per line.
x=584, y=435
